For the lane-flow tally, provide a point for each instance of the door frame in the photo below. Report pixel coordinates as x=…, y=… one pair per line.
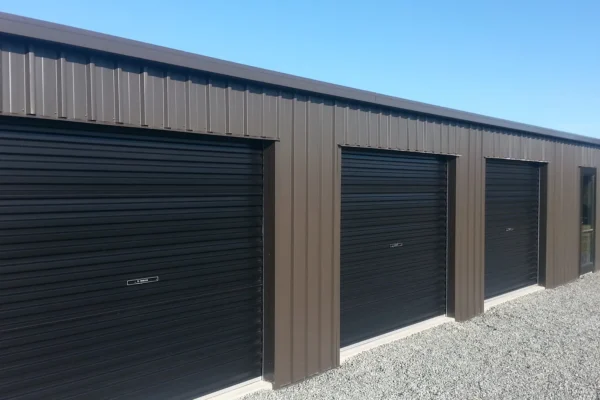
x=582, y=172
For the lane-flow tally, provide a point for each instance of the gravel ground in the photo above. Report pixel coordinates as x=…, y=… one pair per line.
x=542, y=346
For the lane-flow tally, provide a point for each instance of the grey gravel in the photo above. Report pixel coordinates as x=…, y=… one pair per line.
x=542, y=346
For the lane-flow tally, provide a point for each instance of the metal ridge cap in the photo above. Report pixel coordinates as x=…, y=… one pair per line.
x=63, y=34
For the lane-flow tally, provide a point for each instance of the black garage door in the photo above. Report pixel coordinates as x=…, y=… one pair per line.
x=512, y=207
x=393, y=241
x=130, y=266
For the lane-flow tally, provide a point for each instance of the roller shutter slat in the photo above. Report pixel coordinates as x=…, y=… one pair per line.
x=512, y=195
x=391, y=198
x=84, y=212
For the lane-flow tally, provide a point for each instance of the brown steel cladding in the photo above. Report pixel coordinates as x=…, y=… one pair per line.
x=53, y=81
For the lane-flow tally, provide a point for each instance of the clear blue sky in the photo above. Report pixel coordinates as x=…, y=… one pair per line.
x=533, y=61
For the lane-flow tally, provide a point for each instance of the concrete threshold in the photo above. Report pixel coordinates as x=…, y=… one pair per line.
x=515, y=294
x=354, y=349
x=239, y=390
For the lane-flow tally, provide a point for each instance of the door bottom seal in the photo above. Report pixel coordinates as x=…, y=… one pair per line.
x=239, y=390
x=515, y=294
x=354, y=349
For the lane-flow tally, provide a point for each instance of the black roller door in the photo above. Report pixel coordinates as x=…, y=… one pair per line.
x=130, y=265
x=512, y=204
x=393, y=241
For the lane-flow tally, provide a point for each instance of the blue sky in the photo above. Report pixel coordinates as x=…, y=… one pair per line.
x=533, y=61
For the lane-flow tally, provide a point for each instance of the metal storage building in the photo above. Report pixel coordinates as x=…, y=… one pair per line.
x=174, y=224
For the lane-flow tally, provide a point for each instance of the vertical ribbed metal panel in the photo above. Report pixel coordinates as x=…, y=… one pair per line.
x=306, y=329
x=46, y=70
x=270, y=111
x=104, y=90
x=403, y=136
x=299, y=234
x=129, y=93
x=75, y=94
x=469, y=209
x=313, y=233
x=352, y=126
x=217, y=115
x=255, y=111
x=384, y=130
x=176, y=101
x=236, y=118
x=13, y=77
x=284, y=197
x=198, y=103
x=552, y=210
x=154, y=98
x=327, y=350
x=51, y=81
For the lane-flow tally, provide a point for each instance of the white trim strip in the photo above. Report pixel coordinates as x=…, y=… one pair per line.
x=354, y=349
x=239, y=390
x=515, y=294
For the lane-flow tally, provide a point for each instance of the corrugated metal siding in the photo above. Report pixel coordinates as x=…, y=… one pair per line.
x=59, y=82
x=469, y=224
x=51, y=82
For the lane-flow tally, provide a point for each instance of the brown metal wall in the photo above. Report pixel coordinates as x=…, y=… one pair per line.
x=61, y=83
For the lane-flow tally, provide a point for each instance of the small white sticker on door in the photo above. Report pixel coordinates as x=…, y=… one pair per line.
x=141, y=281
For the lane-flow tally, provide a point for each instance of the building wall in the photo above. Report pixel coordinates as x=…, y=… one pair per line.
x=308, y=131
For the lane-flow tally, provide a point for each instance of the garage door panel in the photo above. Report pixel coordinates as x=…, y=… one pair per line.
x=184, y=263
x=25, y=344
x=143, y=349
x=500, y=238
x=184, y=383
x=122, y=377
x=145, y=252
x=362, y=257
x=119, y=258
x=82, y=214
x=101, y=221
x=406, y=245
x=521, y=216
x=402, y=297
x=123, y=369
x=35, y=303
x=393, y=242
x=69, y=244
x=47, y=182
x=357, y=263
x=381, y=287
x=367, y=217
x=136, y=230
x=378, y=187
x=383, y=318
x=105, y=287
x=103, y=246
x=512, y=226
x=188, y=269
x=111, y=166
x=161, y=143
